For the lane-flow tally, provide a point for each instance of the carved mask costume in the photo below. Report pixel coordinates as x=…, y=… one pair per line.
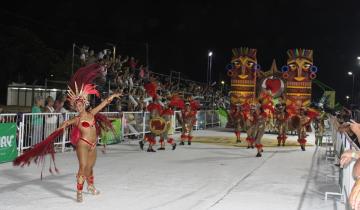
x=299, y=73
x=242, y=71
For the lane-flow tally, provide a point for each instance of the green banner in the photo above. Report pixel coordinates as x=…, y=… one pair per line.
x=223, y=117
x=8, y=149
x=331, y=98
x=109, y=137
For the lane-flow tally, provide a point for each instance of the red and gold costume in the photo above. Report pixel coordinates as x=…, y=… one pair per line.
x=167, y=115
x=86, y=128
x=260, y=125
x=242, y=71
x=156, y=124
x=299, y=73
x=250, y=124
x=188, y=116
x=237, y=117
x=281, y=117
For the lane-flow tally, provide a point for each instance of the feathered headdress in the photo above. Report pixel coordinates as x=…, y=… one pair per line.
x=151, y=89
x=177, y=101
x=244, y=51
x=300, y=53
x=81, y=84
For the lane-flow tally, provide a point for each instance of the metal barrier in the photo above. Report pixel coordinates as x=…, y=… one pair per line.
x=8, y=118
x=34, y=127
x=341, y=143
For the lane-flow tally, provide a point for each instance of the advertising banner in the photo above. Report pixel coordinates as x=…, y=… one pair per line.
x=8, y=149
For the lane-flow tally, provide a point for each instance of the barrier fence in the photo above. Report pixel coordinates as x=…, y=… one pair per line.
x=34, y=127
x=340, y=143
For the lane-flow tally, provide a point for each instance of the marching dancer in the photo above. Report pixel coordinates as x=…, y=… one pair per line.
x=238, y=120
x=188, y=115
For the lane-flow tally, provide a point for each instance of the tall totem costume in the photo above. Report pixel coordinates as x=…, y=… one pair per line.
x=299, y=73
x=243, y=73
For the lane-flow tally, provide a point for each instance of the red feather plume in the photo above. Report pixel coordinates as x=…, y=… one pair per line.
x=176, y=101
x=38, y=152
x=151, y=89
x=86, y=75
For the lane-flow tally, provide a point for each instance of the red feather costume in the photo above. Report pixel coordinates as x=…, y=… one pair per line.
x=83, y=77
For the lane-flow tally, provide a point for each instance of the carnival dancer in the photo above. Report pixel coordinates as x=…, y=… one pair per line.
x=188, y=115
x=250, y=120
x=319, y=125
x=260, y=124
x=306, y=115
x=86, y=128
x=155, y=110
x=167, y=114
x=238, y=120
x=281, y=116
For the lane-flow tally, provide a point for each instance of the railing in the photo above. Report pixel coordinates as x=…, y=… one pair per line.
x=34, y=127
x=342, y=142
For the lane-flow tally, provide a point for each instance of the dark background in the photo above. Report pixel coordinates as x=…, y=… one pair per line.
x=36, y=37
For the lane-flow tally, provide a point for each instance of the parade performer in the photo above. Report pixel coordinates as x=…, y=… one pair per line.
x=238, y=119
x=250, y=123
x=155, y=121
x=260, y=124
x=86, y=128
x=319, y=125
x=281, y=116
x=299, y=72
x=188, y=120
x=167, y=114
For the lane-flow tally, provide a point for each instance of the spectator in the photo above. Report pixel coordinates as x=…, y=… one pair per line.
x=346, y=158
x=37, y=121
x=2, y=119
x=51, y=118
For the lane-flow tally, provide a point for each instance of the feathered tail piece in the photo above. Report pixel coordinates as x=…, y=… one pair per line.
x=39, y=151
x=103, y=124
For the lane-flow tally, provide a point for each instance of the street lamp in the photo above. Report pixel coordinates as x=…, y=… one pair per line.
x=350, y=73
x=210, y=54
x=222, y=85
x=358, y=58
x=347, y=99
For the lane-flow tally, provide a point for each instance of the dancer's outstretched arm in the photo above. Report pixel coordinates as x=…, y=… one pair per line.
x=104, y=103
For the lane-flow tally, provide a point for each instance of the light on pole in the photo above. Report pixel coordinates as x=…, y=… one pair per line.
x=222, y=85
x=347, y=99
x=210, y=54
x=358, y=58
x=350, y=73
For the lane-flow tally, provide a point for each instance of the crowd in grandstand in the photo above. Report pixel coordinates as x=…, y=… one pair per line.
x=128, y=75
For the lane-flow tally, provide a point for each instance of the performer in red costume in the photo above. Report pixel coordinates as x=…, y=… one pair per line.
x=86, y=128
x=238, y=120
x=281, y=116
x=167, y=114
x=260, y=122
x=188, y=115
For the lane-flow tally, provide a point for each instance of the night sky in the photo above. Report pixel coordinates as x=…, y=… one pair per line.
x=180, y=33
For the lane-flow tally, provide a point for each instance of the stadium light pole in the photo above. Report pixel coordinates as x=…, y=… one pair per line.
x=350, y=73
x=210, y=54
